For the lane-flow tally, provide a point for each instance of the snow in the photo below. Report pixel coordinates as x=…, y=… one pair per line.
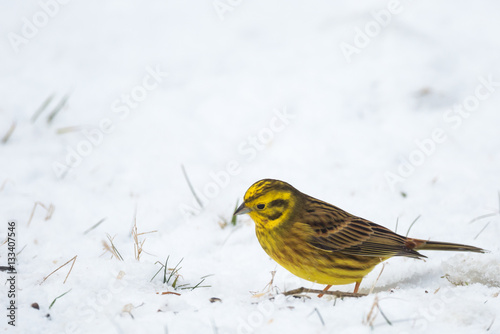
x=237, y=91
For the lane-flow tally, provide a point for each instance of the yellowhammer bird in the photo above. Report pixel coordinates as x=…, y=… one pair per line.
x=322, y=243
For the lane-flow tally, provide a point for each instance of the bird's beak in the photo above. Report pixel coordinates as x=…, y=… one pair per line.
x=242, y=209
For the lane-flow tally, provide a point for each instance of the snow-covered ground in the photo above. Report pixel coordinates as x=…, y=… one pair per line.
x=388, y=109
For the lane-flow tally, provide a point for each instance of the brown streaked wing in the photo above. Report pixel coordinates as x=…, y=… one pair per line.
x=332, y=229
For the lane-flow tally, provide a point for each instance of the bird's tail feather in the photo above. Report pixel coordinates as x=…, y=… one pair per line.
x=419, y=244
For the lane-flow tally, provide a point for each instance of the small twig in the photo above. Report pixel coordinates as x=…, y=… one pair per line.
x=5, y=138
x=57, y=108
x=54, y=301
x=69, y=272
x=41, y=108
x=411, y=225
x=191, y=187
x=340, y=294
x=397, y=222
x=95, y=225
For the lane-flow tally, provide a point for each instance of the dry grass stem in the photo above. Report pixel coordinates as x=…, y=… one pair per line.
x=138, y=245
x=68, y=129
x=73, y=259
x=7, y=135
x=191, y=187
x=484, y=228
x=95, y=225
x=5, y=183
x=50, y=211
x=41, y=108
x=411, y=225
x=57, y=108
x=267, y=289
x=112, y=249
x=380, y=274
x=372, y=314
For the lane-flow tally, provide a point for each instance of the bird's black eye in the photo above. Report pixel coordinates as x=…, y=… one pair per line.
x=261, y=206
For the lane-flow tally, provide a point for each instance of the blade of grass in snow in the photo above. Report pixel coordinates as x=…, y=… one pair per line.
x=234, y=218
x=54, y=301
x=50, y=211
x=174, y=271
x=319, y=315
x=95, y=225
x=113, y=249
x=5, y=138
x=41, y=108
x=485, y=226
x=68, y=129
x=57, y=109
x=191, y=187
x=162, y=267
x=411, y=225
x=69, y=272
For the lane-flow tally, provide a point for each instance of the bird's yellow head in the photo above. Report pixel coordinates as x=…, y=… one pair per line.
x=269, y=203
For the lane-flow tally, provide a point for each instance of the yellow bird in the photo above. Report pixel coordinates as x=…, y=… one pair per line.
x=322, y=243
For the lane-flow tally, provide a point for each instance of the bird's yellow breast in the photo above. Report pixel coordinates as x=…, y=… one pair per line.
x=289, y=247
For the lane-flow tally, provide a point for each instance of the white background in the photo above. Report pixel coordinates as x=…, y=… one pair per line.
x=227, y=71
